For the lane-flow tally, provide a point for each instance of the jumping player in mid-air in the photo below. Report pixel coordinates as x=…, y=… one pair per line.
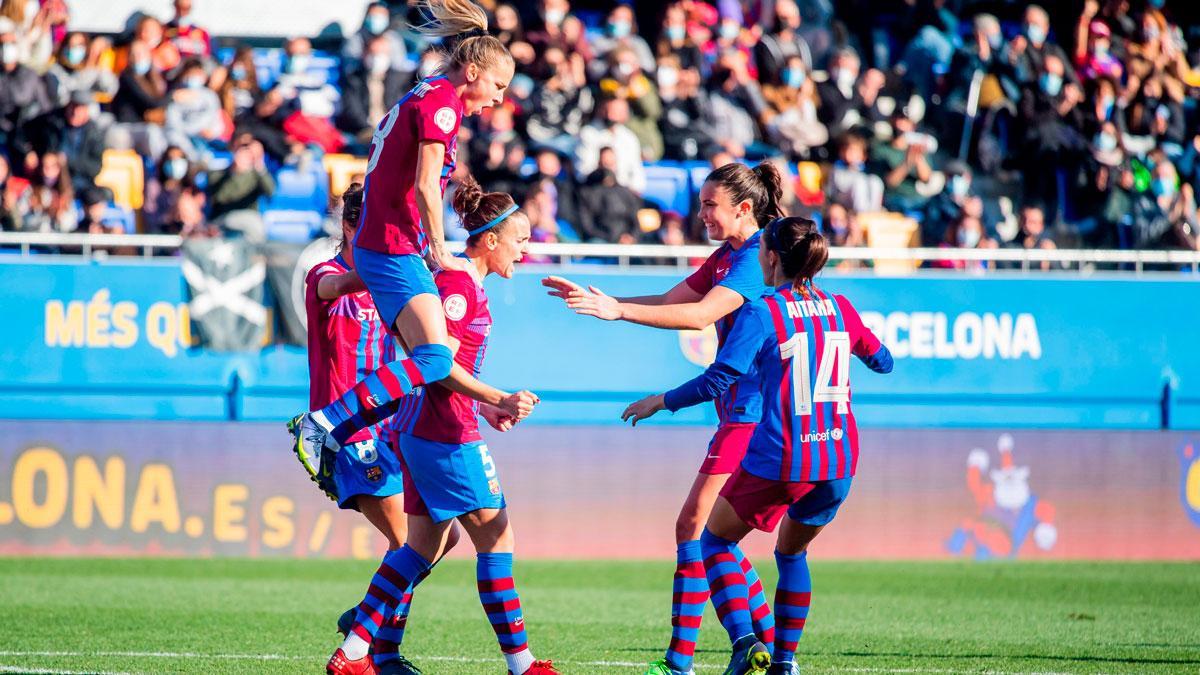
x=450, y=474
x=802, y=455
x=346, y=341
x=735, y=202
x=412, y=156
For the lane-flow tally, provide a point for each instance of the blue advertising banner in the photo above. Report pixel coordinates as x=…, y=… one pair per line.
x=113, y=340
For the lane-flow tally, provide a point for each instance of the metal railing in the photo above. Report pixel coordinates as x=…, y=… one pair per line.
x=894, y=260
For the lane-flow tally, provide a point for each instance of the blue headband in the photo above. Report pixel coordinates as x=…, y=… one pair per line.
x=494, y=221
x=773, y=232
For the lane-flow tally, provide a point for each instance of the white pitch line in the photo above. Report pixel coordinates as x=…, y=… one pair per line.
x=449, y=659
x=44, y=671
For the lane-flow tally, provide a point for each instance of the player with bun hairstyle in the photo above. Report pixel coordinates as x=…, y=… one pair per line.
x=802, y=455
x=400, y=234
x=449, y=473
x=735, y=203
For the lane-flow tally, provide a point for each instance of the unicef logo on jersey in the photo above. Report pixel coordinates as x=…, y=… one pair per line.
x=366, y=452
x=820, y=437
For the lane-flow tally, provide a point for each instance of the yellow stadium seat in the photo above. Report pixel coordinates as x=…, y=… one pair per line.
x=890, y=230
x=341, y=169
x=122, y=172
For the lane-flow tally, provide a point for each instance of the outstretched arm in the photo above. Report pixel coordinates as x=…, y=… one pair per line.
x=735, y=358
x=680, y=308
x=333, y=286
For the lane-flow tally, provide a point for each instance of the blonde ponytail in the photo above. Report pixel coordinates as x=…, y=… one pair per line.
x=466, y=21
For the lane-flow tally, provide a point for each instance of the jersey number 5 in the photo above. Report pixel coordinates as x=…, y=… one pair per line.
x=380, y=135
x=836, y=350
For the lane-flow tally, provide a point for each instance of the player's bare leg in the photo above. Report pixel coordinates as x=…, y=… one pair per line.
x=698, y=505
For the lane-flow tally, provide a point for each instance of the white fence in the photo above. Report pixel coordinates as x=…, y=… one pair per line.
x=886, y=260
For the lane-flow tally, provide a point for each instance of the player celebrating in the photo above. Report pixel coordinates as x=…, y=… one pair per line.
x=450, y=474
x=412, y=155
x=804, y=452
x=735, y=202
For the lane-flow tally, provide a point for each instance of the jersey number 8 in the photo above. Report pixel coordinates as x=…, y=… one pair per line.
x=836, y=350
x=380, y=135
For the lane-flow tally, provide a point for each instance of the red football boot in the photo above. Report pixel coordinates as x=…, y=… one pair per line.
x=340, y=665
x=540, y=668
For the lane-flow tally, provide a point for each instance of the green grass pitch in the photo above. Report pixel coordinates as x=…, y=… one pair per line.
x=277, y=616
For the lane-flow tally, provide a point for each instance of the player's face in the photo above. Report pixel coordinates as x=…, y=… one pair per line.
x=511, y=246
x=718, y=212
x=487, y=88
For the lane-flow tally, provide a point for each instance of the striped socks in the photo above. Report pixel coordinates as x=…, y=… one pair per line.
x=792, y=599
x=377, y=396
x=390, y=585
x=730, y=593
x=689, y=595
x=498, y=594
x=760, y=609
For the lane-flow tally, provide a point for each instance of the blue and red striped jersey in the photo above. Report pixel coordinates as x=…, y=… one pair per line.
x=346, y=340
x=800, y=344
x=433, y=412
x=738, y=270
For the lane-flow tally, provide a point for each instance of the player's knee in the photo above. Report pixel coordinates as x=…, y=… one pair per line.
x=687, y=528
x=434, y=361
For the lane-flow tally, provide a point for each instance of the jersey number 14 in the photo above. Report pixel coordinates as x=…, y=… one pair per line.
x=830, y=386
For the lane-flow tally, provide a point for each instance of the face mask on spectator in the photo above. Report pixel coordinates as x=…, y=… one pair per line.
x=623, y=70
x=667, y=77
x=1101, y=49
x=176, y=168
x=376, y=23
x=1151, y=31
x=794, y=77
x=959, y=186
x=428, y=67
x=676, y=33
x=238, y=72
x=378, y=64
x=1163, y=187
x=1106, y=104
x=838, y=226
x=141, y=66
x=1106, y=142
x=75, y=54
x=844, y=77
x=730, y=31
x=9, y=53
x=555, y=17
x=619, y=29
x=1036, y=34
x=995, y=40
x=1051, y=83
x=194, y=82
x=298, y=64
x=968, y=238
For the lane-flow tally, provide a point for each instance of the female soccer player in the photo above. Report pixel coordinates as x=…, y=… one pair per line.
x=412, y=155
x=735, y=202
x=449, y=473
x=802, y=455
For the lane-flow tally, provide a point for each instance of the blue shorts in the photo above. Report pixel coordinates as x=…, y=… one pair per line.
x=819, y=506
x=367, y=468
x=393, y=280
x=446, y=480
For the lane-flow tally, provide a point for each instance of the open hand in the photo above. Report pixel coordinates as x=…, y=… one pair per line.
x=643, y=409
x=560, y=287
x=593, y=302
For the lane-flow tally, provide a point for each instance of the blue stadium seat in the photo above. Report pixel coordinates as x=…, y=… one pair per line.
x=297, y=190
x=291, y=226
x=668, y=187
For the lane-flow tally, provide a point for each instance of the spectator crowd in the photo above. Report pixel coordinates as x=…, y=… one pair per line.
x=988, y=123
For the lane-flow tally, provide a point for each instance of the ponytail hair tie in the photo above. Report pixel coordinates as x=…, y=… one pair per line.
x=473, y=33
